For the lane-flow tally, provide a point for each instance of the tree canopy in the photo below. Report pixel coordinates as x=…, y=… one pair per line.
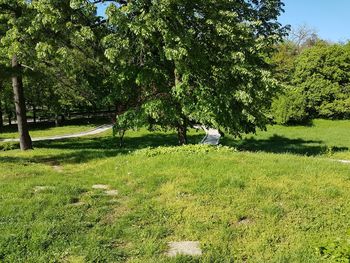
x=317, y=83
x=171, y=63
x=195, y=62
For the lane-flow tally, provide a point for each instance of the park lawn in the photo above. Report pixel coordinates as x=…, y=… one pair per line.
x=242, y=206
x=321, y=137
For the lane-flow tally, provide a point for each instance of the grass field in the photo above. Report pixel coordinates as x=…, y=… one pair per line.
x=319, y=138
x=259, y=206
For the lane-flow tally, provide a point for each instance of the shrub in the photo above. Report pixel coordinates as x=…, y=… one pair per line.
x=185, y=149
x=290, y=107
x=338, y=251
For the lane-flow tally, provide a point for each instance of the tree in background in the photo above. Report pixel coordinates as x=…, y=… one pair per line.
x=15, y=17
x=291, y=106
x=187, y=62
x=322, y=75
x=303, y=37
x=57, y=41
x=316, y=81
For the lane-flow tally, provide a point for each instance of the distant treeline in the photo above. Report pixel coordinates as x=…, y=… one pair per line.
x=315, y=76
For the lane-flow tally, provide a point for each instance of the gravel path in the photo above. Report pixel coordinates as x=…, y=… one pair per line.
x=97, y=130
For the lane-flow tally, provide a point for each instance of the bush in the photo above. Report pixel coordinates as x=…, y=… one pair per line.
x=290, y=107
x=322, y=74
x=185, y=149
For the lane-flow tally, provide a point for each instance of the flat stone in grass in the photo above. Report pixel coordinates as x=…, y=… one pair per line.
x=111, y=192
x=187, y=248
x=100, y=187
x=244, y=221
x=57, y=168
x=40, y=188
x=78, y=204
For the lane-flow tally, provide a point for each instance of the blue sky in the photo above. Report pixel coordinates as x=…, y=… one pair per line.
x=330, y=18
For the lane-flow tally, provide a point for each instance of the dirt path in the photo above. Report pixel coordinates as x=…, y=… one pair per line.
x=97, y=130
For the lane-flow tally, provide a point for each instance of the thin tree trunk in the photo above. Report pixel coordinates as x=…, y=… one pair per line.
x=34, y=114
x=62, y=120
x=57, y=120
x=121, y=137
x=181, y=128
x=17, y=84
x=182, y=134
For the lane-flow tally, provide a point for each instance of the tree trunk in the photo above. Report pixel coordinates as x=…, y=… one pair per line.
x=121, y=137
x=17, y=84
x=181, y=128
x=62, y=120
x=57, y=120
x=34, y=114
x=182, y=134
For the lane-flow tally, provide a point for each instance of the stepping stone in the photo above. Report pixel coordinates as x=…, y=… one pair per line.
x=112, y=192
x=57, y=168
x=43, y=188
x=244, y=221
x=78, y=204
x=100, y=187
x=187, y=248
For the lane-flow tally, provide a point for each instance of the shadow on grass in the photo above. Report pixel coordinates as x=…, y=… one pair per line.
x=280, y=144
x=80, y=150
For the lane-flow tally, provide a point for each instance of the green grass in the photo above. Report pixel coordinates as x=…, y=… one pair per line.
x=318, y=138
x=241, y=206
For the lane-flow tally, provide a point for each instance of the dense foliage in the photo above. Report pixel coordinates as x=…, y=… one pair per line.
x=176, y=62
x=317, y=82
x=195, y=62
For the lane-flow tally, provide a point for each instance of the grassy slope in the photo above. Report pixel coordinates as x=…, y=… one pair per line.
x=254, y=207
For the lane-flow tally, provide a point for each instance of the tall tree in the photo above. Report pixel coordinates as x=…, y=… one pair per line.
x=17, y=84
x=50, y=36
x=196, y=61
x=14, y=18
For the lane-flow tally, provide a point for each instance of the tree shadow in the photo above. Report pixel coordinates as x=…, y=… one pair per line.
x=280, y=144
x=111, y=143
x=81, y=150
x=304, y=123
